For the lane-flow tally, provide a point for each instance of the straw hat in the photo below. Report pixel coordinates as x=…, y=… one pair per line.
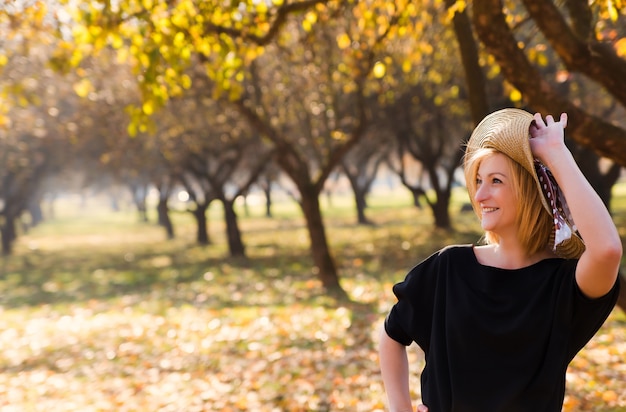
x=508, y=131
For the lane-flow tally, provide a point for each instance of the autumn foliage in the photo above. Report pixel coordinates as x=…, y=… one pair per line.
x=104, y=315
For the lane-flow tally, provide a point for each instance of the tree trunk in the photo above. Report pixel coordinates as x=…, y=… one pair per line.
x=322, y=259
x=360, y=200
x=8, y=235
x=164, y=218
x=235, y=244
x=199, y=213
x=246, y=207
x=268, y=201
x=589, y=164
x=416, y=192
x=440, y=207
x=361, y=205
x=474, y=76
x=36, y=213
x=139, y=198
x=266, y=186
x=441, y=212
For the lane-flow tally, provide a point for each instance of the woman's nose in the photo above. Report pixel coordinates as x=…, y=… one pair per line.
x=481, y=193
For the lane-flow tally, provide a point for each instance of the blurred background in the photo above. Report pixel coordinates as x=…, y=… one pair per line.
x=204, y=204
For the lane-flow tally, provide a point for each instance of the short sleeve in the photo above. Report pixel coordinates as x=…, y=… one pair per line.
x=410, y=319
x=590, y=314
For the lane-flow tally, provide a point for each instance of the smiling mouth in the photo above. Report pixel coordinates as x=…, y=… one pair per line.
x=489, y=209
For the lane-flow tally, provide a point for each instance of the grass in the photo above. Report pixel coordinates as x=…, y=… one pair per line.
x=100, y=313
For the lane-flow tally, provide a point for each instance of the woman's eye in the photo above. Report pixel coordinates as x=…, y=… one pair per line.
x=496, y=180
x=478, y=182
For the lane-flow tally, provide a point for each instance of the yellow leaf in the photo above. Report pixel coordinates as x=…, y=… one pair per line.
x=613, y=13
x=454, y=91
x=132, y=129
x=122, y=56
x=542, y=60
x=609, y=396
x=117, y=41
x=349, y=87
x=379, y=70
x=407, y=66
x=76, y=58
x=261, y=7
x=83, y=87
x=179, y=39
x=137, y=39
x=95, y=31
x=253, y=53
x=338, y=135
x=311, y=17
x=185, y=81
x=148, y=107
x=180, y=20
x=144, y=59
x=620, y=47
x=343, y=41
x=515, y=95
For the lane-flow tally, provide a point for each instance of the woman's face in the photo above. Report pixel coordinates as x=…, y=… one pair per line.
x=495, y=195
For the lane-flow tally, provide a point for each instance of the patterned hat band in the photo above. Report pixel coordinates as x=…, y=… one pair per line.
x=564, y=226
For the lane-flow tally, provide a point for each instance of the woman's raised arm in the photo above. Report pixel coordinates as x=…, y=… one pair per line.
x=598, y=266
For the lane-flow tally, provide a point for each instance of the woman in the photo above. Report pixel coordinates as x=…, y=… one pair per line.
x=499, y=323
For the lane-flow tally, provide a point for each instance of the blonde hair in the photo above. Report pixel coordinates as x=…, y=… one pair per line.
x=535, y=224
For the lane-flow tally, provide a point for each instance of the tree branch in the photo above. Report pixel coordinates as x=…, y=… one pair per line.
x=595, y=59
x=279, y=20
x=493, y=31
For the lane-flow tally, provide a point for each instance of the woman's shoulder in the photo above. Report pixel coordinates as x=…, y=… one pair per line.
x=431, y=270
x=457, y=253
x=466, y=250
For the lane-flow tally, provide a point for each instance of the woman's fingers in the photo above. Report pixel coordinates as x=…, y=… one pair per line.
x=539, y=122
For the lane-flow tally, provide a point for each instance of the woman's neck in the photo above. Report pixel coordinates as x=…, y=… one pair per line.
x=508, y=256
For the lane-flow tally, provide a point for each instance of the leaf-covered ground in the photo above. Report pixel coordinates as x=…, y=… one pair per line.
x=105, y=316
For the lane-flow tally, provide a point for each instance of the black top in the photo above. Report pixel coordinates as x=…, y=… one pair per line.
x=494, y=339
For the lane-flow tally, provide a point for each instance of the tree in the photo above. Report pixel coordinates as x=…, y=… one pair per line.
x=428, y=113
x=38, y=116
x=583, y=46
x=162, y=39
x=432, y=138
x=361, y=166
x=316, y=110
x=267, y=181
x=213, y=153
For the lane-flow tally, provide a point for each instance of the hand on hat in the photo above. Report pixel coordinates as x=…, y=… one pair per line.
x=547, y=137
